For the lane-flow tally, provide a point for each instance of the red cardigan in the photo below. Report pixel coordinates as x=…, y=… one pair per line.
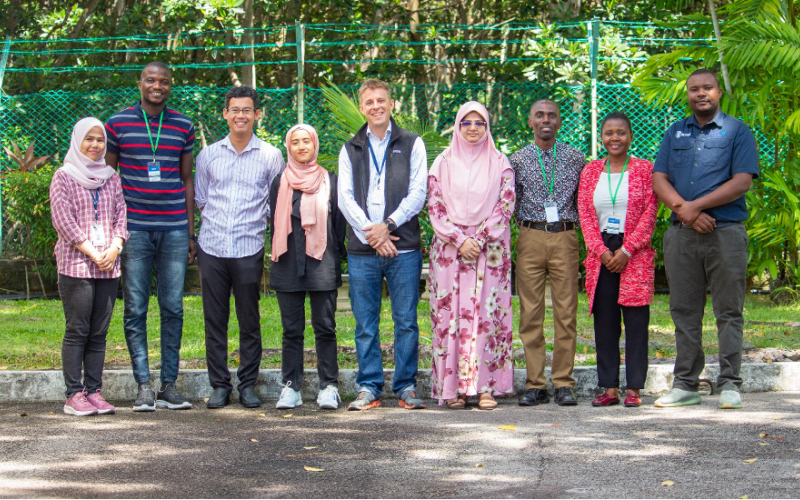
x=636, y=280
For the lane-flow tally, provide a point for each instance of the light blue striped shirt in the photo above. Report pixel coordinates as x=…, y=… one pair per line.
x=376, y=198
x=232, y=189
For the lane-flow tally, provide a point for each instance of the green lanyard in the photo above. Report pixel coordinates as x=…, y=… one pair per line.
x=544, y=174
x=150, y=136
x=614, y=194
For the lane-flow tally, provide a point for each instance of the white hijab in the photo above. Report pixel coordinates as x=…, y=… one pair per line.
x=88, y=173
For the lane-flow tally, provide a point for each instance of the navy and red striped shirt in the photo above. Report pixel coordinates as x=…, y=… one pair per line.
x=152, y=205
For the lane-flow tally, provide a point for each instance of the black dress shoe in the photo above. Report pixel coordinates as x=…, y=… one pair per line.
x=219, y=399
x=565, y=397
x=533, y=397
x=248, y=398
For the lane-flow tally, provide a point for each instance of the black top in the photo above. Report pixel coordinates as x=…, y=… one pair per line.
x=398, y=174
x=297, y=272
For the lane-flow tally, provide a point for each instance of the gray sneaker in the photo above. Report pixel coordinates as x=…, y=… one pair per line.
x=410, y=401
x=328, y=398
x=145, y=399
x=169, y=397
x=730, y=399
x=678, y=397
x=364, y=401
x=289, y=399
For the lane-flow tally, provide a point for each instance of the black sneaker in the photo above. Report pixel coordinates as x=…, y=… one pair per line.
x=169, y=397
x=145, y=399
x=565, y=397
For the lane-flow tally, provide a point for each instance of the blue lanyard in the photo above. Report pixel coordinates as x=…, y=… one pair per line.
x=375, y=160
x=95, y=200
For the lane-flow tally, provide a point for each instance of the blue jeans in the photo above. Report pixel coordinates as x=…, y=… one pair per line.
x=169, y=252
x=402, y=274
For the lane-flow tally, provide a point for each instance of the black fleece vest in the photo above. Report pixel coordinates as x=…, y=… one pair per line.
x=398, y=174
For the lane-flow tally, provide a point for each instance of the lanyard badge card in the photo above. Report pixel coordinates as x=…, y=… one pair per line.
x=153, y=167
x=550, y=206
x=96, y=234
x=613, y=226
x=378, y=198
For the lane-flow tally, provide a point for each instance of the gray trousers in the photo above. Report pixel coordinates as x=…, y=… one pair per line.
x=693, y=261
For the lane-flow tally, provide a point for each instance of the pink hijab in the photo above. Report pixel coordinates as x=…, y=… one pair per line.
x=88, y=173
x=470, y=174
x=312, y=180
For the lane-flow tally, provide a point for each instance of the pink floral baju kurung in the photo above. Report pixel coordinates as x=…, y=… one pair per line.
x=471, y=317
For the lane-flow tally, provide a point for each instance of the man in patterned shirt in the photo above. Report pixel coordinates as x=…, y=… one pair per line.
x=151, y=147
x=547, y=175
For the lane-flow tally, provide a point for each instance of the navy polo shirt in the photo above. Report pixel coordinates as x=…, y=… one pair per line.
x=152, y=206
x=698, y=160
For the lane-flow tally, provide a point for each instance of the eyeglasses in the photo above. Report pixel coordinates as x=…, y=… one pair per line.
x=477, y=123
x=245, y=111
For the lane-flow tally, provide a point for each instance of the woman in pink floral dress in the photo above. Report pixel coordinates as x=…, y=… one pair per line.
x=472, y=194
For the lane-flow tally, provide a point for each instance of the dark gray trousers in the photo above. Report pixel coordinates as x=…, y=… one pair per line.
x=218, y=277
x=694, y=261
x=88, y=304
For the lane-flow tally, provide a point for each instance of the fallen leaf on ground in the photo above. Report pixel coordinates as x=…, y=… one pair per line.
x=23, y=414
x=3, y=368
x=750, y=460
x=262, y=415
x=313, y=469
x=443, y=492
x=763, y=435
x=205, y=400
x=775, y=418
x=668, y=483
x=119, y=348
x=51, y=413
x=306, y=454
x=557, y=425
x=287, y=415
x=309, y=447
x=764, y=444
x=744, y=497
x=254, y=440
x=478, y=465
x=508, y=427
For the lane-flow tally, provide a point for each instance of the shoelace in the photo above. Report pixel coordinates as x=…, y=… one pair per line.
x=80, y=397
x=332, y=392
x=99, y=397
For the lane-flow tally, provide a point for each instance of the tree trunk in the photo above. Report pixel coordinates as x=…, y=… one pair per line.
x=77, y=29
x=248, y=72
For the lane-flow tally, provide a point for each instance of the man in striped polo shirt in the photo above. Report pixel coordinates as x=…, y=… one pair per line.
x=233, y=179
x=151, y=147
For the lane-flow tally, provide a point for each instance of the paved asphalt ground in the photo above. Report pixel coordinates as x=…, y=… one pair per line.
x=551, y=452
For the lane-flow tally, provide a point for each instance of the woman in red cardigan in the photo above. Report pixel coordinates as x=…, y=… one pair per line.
x=617, y=209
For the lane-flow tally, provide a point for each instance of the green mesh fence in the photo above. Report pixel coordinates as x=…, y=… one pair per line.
x=48, y=117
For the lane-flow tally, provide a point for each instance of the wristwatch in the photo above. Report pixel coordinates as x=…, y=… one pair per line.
x=119, y=246
x=390, y=225
x=193, y=237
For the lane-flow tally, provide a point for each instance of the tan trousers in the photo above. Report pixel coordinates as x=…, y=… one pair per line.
x=540, y=254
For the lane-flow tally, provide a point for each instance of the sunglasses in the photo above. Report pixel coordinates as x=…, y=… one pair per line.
x=477, y=123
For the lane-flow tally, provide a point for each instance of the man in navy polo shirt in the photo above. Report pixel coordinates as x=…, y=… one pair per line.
x=151, y=146
x=705, y=166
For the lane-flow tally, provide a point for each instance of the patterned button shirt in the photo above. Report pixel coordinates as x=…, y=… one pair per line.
x=532, y=191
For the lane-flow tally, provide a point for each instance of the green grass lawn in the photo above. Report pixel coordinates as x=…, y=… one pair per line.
x=31, y=331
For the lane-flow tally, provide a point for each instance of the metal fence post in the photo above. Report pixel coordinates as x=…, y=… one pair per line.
x=3, y=63
x=594, y=39
x=301, y=59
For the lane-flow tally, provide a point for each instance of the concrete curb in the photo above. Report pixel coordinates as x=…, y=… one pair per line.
x=118, y=385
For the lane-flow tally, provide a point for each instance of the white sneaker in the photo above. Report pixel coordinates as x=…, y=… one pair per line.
x=678, y=397
x=289, y=399
x=730, y=399
x=328, y=398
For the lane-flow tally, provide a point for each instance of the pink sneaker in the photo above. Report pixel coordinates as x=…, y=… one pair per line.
x=79, y=405
x=103, y=406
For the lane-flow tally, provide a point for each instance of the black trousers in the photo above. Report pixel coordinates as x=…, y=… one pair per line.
x=218, y=277
x=88, y=304
x=608, y=318
x=323, y=320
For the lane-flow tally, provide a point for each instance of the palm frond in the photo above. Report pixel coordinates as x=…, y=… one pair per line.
x=769, y=44
x=753, y=9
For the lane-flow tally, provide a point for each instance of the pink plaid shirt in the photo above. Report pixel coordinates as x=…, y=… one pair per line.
x=73, y=215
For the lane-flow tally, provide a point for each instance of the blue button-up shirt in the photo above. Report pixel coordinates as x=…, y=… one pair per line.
x=698, y=160
x=233, y=191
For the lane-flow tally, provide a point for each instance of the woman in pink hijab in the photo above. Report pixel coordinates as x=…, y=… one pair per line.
x=308, y=233
x=89, y=215
x=471, y=199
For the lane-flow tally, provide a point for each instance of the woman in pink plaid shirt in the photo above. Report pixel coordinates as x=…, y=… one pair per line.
x=88, y=212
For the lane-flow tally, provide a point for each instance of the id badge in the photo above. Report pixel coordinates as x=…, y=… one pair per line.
x=613, y=226
x=154, y=171
x=551, y=211
x=97, y=236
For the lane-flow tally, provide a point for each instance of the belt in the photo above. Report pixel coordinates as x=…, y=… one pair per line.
x=555, y=227
x=719, y=224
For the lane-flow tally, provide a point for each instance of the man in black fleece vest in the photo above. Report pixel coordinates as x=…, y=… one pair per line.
x=382, y=187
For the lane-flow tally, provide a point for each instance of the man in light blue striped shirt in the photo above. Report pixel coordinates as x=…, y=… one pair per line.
x=232, y=181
